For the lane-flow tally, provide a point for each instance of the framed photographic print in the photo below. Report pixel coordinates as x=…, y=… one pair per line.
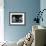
x=17, y=18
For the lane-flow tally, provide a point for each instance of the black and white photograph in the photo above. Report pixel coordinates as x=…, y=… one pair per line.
x=17, y=18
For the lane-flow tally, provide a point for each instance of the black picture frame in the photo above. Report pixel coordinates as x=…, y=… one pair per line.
x=17, y=18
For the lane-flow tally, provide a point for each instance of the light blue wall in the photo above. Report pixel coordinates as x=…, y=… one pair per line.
x=14, y=33
x=43, y=6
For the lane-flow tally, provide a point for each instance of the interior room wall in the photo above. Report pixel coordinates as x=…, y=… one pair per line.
x=14, y=33
x=43, y=6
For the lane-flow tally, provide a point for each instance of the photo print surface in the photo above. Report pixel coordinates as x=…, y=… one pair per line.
x=16, y=18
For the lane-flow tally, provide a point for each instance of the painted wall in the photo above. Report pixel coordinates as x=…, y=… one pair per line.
x=43, y=6
x=14, y=33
